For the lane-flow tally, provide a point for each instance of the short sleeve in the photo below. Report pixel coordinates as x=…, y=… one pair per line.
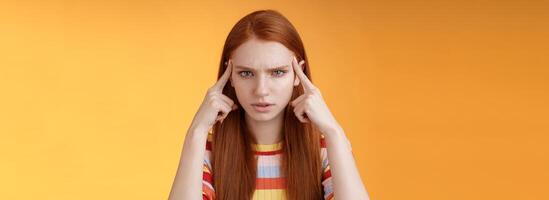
x=327, y=186
x=208, y=191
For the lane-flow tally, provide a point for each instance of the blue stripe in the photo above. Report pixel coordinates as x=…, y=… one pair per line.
x=268, y=171
x=328, y=189
x=208, y=164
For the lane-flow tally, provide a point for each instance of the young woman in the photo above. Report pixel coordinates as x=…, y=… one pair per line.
x=267, y=134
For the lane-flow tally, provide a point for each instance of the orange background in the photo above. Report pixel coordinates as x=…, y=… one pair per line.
x=440, y=99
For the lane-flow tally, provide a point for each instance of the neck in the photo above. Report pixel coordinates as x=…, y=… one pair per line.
x=266, y=132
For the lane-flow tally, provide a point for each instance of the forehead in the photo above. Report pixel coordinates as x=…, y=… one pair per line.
x=260, y=54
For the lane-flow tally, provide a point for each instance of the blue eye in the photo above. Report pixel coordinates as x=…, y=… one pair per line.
x=282, y=72
x=276, y=73
x=240, y=73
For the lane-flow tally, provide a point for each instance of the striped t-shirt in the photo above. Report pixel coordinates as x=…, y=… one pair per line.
x=269, y=183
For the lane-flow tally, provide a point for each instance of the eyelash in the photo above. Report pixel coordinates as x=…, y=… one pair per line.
x=282, y=74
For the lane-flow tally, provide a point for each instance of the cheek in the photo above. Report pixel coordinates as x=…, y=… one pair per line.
x=287, y=81
x=285, y=88
x=242, y=89
x=283, y=83
x=238, y=86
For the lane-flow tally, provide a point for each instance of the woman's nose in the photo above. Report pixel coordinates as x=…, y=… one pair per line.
x=262, y=88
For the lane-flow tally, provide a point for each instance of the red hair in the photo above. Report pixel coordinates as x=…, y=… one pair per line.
x=233, y=162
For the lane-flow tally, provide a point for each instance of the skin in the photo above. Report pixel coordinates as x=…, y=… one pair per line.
x=265, y=84
x=262, y=72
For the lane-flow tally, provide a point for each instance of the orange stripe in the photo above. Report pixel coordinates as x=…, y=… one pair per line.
x=208, y=192
x=266, y=153
x=270, y=183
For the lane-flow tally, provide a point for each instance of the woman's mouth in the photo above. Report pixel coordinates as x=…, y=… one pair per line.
x=262, y=107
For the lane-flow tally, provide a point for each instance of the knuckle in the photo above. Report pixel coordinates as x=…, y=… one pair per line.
x=212, y=98
x=214, y=104
x=210, y=93
x=229, y=99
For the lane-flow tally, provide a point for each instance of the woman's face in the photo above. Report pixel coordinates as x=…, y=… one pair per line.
x=262, y=73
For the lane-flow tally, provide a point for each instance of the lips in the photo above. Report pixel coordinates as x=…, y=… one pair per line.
x=262, y=104
x=262, y=107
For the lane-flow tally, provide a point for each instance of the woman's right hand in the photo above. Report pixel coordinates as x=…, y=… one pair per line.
x=216, y=106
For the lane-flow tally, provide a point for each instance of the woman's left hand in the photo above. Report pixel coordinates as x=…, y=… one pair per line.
x=310, y=106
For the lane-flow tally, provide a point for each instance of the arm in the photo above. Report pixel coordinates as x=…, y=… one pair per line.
x=345, y=176
x=311, y=108
x=188, y=180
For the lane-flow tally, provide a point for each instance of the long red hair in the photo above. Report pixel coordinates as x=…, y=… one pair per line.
x=233, y=163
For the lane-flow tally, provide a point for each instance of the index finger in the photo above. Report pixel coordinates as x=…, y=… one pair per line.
x=307, y=84
x=220, y=84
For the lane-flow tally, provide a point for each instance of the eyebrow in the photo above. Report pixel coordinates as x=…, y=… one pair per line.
x=252, y=69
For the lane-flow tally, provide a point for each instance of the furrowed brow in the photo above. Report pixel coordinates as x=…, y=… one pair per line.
x=252, y=69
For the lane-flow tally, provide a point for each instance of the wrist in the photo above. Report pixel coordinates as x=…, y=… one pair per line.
x=197, y=133
x=333, y=131
x=200, y=128
x=337, y=137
